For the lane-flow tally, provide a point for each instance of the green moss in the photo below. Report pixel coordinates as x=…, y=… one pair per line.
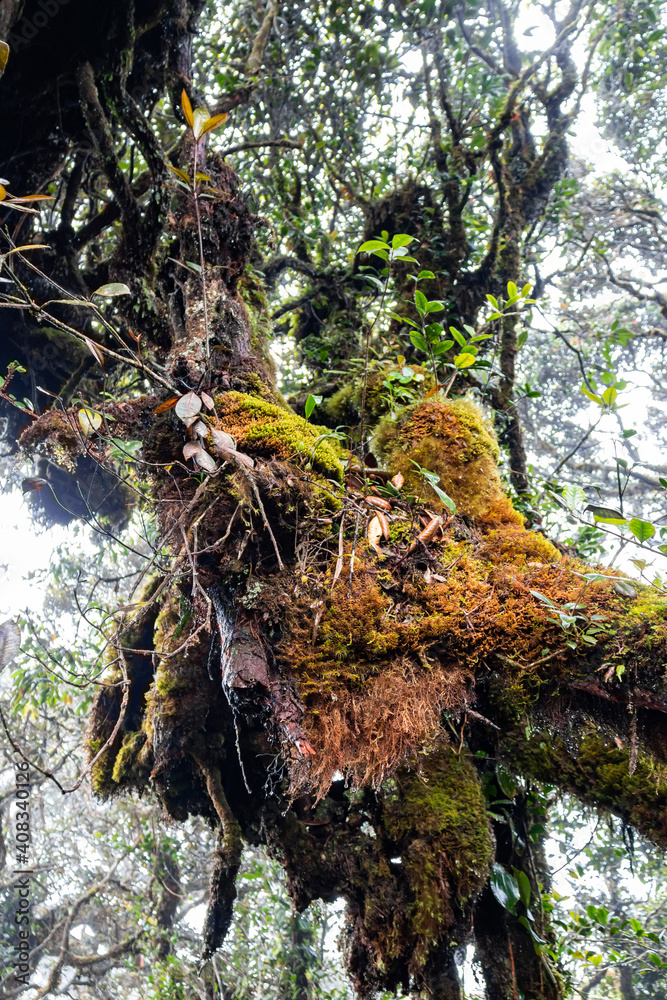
x=101, y=775
x=268, y=430
x=344, y=407
x=453, y=439
x=128, y=768
x=437, y=819
x=597, y=770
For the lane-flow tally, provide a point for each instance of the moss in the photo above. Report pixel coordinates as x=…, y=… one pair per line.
x=453, y=439
x=344, y=407
x=597, y=770
x=437, y=819
x=129, y=769
x=265, y=429
x=101, y=775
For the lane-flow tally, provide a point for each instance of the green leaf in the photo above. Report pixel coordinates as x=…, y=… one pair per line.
x=447, y=500
x=505, y=888
x=401, y=240
x=592, y=395
x=311, y=403
x=464, y=360
x=458, y=337
x=435, y=306
x=419, y=341
x=421, y=302
x=642, y=530
x=425, y=274
x=525, y=890
x=607, y=514
x=512, y=291
x=610, y=395
x=112, y=289
x=370, y=245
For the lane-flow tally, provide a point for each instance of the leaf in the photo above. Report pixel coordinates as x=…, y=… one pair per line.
x=213, y=122
x=194, y=450
x=95, y=351
x=642, y=530
x=370, y=245
x=573, y=496
x=401, y=240
x=179, y=173
x=200, y=429
x=421, y=303
x=33, y=485
x=464, y=360
x=167, y=405
x=10, y=642
x=311, y=403
x=111, y=290
x=89, y=421
x=525, y=890
x=592, y=395
x=187, y=108
x=207, y=401
x=188, y=406
x=607, y=514
x=447, y=500
x=397, y=481
x=458, y=336
x=222, y=441
x=505, y=888
x=4, y=56
x=374, y=534
x=624, y=588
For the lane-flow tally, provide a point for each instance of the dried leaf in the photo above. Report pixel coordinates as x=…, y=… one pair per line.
x=188, y=407
x=382, y=518
x=95, y=351
x=374, y=534
x=112, y=289
x=200, y=429
x=305, y=749
x=187, y=108
x=378, y=502
x=205, y=461
x=191, y=448
x=222, y=440
x=207, y=401
x=430, y=530
x=10, y=642
x=397, y=481
x=4, y=56
x=89, y=421
x=3, y=192
x=167, y=405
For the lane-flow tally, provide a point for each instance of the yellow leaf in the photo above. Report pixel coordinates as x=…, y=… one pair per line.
x=179, y=173
x=89, y=421
x=4, y=56
x=3, y=192
x=213, y=122
x=187, y=108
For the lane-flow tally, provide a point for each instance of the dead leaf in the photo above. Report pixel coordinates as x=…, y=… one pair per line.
x=207, y=401
x=191, y=448
x=397, y=481
x=374, y=534
x=163, y=407
x=430, y=530
x=378, y=502
x=187, y=407
x=4, y=56
x=194, y=450
x=222, y=440
x=382, y=518
x=200, y=429
x=95, y=351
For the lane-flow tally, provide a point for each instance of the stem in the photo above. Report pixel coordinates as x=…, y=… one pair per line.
x=201, y=251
